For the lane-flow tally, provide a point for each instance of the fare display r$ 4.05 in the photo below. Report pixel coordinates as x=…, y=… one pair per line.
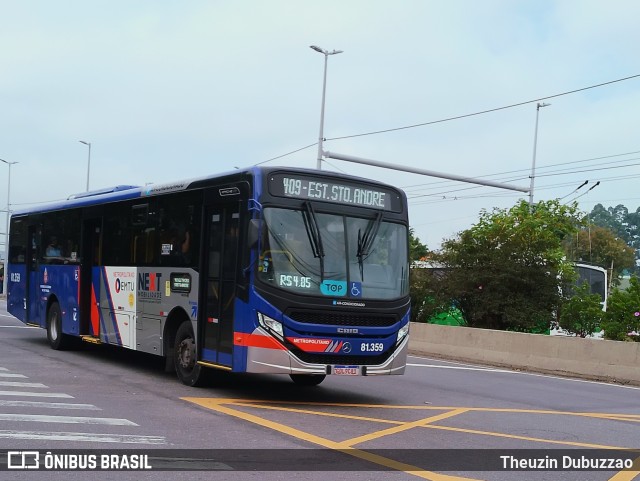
x=330, y=190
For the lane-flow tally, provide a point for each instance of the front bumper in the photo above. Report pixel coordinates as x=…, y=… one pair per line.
x=267, y=358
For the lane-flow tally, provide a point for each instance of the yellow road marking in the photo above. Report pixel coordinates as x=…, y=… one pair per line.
x=215, y=405
x=398, y=429
x=319, y=413
x=526, y=438
x=261, y=402
x=628, y=475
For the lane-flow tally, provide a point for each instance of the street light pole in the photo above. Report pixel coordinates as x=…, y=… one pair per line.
x=6, y=230
x=326, y=54
x=88, y=161
x=533, y=165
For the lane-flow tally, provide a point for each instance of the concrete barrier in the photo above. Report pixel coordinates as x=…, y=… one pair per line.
x=570, y=356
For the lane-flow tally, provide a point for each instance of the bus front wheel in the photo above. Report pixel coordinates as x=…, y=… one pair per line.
x=184, y=356
x=307, y=379
x=57, y=340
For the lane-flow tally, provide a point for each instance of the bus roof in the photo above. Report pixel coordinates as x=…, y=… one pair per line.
x=125, y=192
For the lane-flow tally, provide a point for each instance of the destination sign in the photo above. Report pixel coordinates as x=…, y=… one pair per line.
x=330, y=190
x=180, y=282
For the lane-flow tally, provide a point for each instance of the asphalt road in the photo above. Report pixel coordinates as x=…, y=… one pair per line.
x=427, y=424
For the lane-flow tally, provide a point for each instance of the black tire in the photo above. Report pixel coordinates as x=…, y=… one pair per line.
x=307, y=379
x=57, y=340
x=184, y=357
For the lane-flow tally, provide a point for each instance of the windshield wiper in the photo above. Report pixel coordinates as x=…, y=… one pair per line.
x=313, y=232
x=365, y=241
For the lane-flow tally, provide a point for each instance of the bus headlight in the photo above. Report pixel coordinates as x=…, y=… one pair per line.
x=271, y=325
x=402, y=333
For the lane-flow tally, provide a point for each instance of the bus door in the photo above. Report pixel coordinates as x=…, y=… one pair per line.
x=90, y=277
x=34, y=278
x=222, y=224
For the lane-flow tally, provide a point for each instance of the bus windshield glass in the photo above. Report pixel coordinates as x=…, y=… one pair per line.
x=338, y=256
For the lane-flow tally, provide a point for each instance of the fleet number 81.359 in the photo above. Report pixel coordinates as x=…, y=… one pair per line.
x=371, y=347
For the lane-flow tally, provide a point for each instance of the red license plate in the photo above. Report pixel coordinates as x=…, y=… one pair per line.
x=346, y=371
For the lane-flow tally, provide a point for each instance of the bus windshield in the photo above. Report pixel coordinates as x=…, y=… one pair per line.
x=333, y=255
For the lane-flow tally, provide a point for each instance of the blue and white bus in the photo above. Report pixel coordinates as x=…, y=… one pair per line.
x=263, y=270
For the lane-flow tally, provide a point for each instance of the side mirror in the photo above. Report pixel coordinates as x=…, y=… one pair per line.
x=253, y=234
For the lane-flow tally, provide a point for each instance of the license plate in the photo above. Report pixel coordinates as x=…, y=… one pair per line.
x=346, y=370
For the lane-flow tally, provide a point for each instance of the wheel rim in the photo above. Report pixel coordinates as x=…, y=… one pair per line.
x=53, y=326
x=186, y=353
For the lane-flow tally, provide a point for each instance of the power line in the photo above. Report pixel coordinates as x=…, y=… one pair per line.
x=288, y=153
x=584, y=193
x=589, y=170
x=575, y=190
x=440, y=197
x=458, y=117
x=542, y=167
x=549, y=174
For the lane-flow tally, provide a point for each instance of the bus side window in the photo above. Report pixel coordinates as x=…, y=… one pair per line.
x=18, y=242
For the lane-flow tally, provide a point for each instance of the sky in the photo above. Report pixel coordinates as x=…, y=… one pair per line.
x=169, y=90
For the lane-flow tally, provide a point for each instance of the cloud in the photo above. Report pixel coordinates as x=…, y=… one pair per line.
x=168, y=90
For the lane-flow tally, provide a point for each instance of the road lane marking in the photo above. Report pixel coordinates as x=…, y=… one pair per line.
x=463, y=368
x=39, y=404
x=84, y=437
x=318, y=413
x=467, y=367
x=8, y=374
x=527, y=438
x=35, y=394
x=628, y=475
x=43, y=418
x=21, y=384
x=262, y=404
x=215, y=405
x=398, y=429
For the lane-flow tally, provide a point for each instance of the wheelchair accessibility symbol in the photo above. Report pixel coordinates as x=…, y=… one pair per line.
x=355, y=289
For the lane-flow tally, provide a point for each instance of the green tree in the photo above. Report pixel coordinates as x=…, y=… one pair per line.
x=601, y=246
x=504, y=272
x=603, y=217
x=428, y=296
x=624, y=224
x=623, y=313
x=582, y=313
x=418, y=282
x=417, y=250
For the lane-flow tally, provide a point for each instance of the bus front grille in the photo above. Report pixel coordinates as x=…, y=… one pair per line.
x=343, y=319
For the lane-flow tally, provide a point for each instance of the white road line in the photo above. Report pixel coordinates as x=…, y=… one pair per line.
x=41, y=418
x=3, y=369
x=7, y=374
x=39, y=404
x=466, y=367
x=87, y=437
x=20, y=327
x=21, y=384
x=35, y=394
x=462, y=368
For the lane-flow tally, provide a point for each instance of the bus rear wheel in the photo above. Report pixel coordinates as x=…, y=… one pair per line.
x=57, y=340
x=184, y=356
x=307, y=379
